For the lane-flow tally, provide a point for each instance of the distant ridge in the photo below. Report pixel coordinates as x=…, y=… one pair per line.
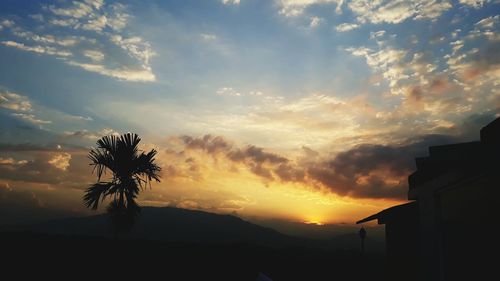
x=168, y=224
x=173, y=225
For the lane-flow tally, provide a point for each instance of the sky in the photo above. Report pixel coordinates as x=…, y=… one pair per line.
x=301, y=110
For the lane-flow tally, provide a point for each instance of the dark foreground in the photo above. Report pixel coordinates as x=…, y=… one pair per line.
x=57, y=256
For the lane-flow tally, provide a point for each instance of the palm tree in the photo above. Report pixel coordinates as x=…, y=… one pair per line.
x=132, y=170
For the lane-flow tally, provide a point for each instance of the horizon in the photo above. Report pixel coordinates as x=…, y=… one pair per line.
x=308, y=112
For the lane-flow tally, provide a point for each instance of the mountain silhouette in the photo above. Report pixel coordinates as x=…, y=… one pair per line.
x=169, y=224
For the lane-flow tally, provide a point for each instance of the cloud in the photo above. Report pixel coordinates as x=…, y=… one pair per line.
x=136, y=47
x=426, y=91
x=37, y=170
x=315, y=119
x=101, y=22
x=230, y=2
x=474, y=61
x=456, y=45
x=21, y=111
x=208, y=143
x=21, y=199
x=439, y=85
x=94, y=55
x=21, y=205
x=56, y=165
x=78, y=9
x=315, y=22
x=339, y=176
x=293, y=8
x=397, y=11
x=11, y=161
x=366, y=170
x=363, y=171
x=260, y=162
x=474, y=3
x=46, y=39
x=7, y=23
x=64, y=22
x=346, y=27
x=86, y=134
x=221, y=202
x=92, y=16
x=134, y=75
x=38, y=49
x=38, y=17
x=488, y=22
x=26, y=147
x=255, y=154
x=60, y=161
x=31, y=118
x=377, y=34
x=208, y=37
x=228, y=91
x=14, y=101
x=374, y=171
x=386, y=60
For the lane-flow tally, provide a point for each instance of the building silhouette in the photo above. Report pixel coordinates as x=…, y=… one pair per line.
x=448, y=229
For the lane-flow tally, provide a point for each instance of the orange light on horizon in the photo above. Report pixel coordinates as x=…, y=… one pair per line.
x=314, y=222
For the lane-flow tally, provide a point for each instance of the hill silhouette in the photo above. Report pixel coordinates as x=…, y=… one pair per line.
x=168, y=224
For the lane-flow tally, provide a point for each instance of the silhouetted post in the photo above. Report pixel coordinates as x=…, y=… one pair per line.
x=362, y=235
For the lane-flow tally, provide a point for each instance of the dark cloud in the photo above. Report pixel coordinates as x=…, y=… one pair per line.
x=486, y=59
x=19, y=199
x=439, y=84
x=289, y=173
x=364, y=171
x=55, y=166
x=381, y=171
x=170, y=171
x=260, y=162
x=14, y=130
x=468, y=129
x=208, y=143
x=217, y=144
x=309, y=152
x=374, y=171
x=415, y=94
x=257, y=155
x=22, y=207
x=37, y=170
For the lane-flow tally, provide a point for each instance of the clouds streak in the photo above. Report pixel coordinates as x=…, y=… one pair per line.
x=85, y=26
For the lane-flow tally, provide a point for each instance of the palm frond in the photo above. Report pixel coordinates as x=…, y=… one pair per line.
x=101, y=160
x=130, y=141
x=146, y=166
x=127, y=146
x=108, y=143
x=96, y=193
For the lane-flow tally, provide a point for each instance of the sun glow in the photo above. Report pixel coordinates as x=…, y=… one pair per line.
x=314, y=222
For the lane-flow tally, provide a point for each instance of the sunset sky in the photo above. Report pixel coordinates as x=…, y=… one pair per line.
x=302, y=110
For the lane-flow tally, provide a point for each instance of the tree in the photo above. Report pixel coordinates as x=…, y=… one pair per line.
x=132, y=171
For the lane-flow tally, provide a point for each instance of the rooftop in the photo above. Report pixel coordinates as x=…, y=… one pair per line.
x=395, y=213
x=467, y=158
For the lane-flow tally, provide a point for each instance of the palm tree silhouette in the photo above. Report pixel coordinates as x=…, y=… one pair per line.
x=132, y=170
